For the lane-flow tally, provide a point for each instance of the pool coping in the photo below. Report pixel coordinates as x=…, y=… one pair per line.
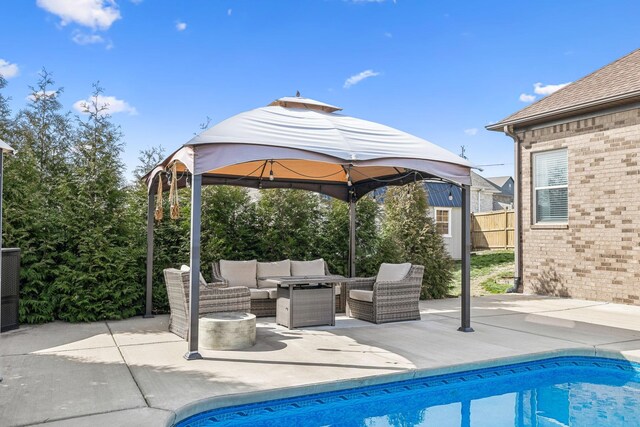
x=238, y=399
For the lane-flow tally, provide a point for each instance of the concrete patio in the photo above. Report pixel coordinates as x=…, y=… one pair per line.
x=131, y=372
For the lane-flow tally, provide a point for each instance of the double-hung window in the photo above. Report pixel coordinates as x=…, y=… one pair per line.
x=443, y=221
x=550, y=187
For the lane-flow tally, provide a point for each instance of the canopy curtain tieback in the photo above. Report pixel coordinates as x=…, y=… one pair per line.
x=174, y=203
x=158, y=214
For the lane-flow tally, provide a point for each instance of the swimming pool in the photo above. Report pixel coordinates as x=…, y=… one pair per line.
x=562, y=391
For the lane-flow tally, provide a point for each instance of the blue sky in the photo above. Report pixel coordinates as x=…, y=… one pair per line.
x=440, y=70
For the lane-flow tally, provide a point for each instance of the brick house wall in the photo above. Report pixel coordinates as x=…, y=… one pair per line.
x=596, y=255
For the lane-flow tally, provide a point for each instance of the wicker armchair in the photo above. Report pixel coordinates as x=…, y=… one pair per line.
x=213, y=299
x=390, y=301
x=267, y=307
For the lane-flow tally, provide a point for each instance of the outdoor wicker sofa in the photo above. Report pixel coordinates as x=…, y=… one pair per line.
x=213, y=299
x=391, y=296
x=263, y=293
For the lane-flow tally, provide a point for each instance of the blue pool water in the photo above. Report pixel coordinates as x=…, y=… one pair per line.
x=563, y=391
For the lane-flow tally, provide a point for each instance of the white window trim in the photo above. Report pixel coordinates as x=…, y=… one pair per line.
x=534, y=220
x=435, y=217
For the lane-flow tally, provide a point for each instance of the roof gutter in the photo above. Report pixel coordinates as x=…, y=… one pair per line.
x=517, y=247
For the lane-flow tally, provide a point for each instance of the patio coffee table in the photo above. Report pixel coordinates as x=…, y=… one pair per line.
x=306, y=300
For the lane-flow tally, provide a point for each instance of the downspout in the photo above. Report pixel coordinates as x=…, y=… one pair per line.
x=517, y=279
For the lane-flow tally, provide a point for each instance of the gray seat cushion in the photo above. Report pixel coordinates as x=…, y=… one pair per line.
x=272, y=269
x=393, y=272
x=273, y=293
x=308, y=268
x=240, y=273
x=361, y=295
x=259, y=293
x=187, y=268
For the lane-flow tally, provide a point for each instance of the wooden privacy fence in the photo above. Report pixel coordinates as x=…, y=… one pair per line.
x=492, y=230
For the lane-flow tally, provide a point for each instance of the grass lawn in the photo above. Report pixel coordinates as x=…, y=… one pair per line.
x=491, y=273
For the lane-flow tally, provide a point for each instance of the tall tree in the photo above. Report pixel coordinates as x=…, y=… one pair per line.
x=410, y=235
x=289, y=221
x=99, y=277
x=335, y=237
x=228, y=225
x=367, y=237
x=147, y=159
x=5, y=111
x=35, y=191
x=171, y=247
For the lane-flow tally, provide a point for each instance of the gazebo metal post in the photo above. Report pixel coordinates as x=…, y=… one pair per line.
x=194, y=279
x=465, y=309
x=352, y=236
x=149, y=295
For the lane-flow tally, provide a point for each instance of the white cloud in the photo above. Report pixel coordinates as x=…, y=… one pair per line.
x=181, y=26
x=83, y=39
x=8, y=70
x=112, y=104
x=524, y=97
x=96, y=14
x=388, y=34
x=41, y=94
x=229, y=11
x=471, y=131
x=357, y=78
x=541, y=89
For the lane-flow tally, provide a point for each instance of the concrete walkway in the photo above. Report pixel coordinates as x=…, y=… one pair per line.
x=131, y=372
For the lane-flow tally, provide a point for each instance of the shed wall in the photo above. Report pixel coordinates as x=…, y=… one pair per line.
x=453, y=243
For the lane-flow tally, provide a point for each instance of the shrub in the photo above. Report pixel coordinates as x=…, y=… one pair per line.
x=409, y=235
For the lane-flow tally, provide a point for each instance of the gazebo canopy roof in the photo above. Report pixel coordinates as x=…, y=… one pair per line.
x=5, y=148
x=302, y=143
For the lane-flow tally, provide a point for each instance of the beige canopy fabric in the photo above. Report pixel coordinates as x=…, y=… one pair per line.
x=5, y=148
x=300, y=143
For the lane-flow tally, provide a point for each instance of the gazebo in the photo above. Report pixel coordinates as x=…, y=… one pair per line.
x=300, y=143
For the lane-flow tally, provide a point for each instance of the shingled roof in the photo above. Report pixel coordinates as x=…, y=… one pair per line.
x=481, y=183
x=500, y=181
x=613, y=84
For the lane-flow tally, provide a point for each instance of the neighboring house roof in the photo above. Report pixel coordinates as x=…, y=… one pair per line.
x=500, y=181
x=438, y=193
x=480, y=183
x=614, y=84
x=497, y=206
